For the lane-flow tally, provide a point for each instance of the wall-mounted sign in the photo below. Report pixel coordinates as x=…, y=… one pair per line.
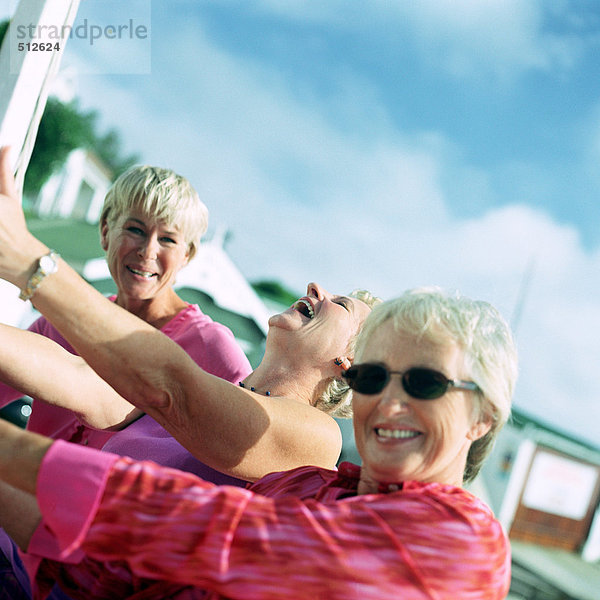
x=560, y=486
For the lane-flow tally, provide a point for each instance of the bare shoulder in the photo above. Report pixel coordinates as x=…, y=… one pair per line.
x=309, y=432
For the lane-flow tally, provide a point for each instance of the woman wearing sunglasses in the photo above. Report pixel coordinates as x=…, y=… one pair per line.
x=433, y=379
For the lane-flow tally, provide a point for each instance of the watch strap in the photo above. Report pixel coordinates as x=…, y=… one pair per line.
x=39, y=275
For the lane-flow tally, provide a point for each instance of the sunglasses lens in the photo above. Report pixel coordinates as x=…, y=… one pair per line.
x=371, y=378
x=367, y=378
x=425, y=384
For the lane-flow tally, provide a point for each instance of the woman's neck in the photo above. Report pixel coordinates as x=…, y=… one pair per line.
x=279, y=379
x=155, y=311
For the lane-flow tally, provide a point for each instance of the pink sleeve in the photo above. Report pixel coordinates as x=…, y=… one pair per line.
x=69, y=489
x=217, y=353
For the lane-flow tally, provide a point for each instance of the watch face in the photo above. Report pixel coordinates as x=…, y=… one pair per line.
x=47, y=264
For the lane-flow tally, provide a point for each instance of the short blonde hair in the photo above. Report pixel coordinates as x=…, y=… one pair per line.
x=161, y=194
x=336, y=398
x=490, y=354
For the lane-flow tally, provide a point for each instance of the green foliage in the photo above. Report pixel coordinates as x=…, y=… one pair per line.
x=63, y=128
x=273, y=290
x=3, y=28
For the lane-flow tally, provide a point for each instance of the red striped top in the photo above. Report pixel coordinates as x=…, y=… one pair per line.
x=303, y=534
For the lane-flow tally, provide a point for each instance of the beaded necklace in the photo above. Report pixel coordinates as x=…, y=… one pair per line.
x=253, y=389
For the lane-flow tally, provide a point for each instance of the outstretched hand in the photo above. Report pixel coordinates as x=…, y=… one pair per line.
x=19, y=250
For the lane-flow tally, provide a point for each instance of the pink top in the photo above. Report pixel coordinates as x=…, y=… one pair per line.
x=210, y=344
x=301, y=534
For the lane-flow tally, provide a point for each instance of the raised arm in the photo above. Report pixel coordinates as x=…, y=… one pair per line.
x=41, y=368
x=228, y=428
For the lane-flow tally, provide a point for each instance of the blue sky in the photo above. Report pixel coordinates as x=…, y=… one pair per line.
x=386, y=145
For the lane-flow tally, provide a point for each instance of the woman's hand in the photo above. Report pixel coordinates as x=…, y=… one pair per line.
x=19, y=250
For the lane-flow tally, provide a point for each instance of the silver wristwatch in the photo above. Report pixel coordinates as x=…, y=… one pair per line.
x=47, y=265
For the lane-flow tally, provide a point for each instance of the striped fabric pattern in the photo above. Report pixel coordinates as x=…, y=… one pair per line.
x=303, y=534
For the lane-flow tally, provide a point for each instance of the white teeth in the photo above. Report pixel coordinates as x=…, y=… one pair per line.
x=311, y=312
x=398, y=434
x=145, y=274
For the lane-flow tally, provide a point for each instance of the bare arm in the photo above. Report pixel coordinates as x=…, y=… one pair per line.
x=19, y=514
x=230, y=429
x=21, y=455
x=41, y=368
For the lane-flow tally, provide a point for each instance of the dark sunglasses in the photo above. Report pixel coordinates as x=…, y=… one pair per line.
x=418, y=382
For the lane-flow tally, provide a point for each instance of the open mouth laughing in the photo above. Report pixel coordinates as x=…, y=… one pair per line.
x=304, y=307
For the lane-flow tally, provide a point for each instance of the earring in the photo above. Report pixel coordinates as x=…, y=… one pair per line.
x=342, y=362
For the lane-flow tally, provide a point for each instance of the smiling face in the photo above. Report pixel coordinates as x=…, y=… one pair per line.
x=319, y=323
x=401, y=438
x=144, y=256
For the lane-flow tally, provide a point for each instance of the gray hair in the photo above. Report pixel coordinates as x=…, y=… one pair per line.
x=162, y=194
x=490, y=355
